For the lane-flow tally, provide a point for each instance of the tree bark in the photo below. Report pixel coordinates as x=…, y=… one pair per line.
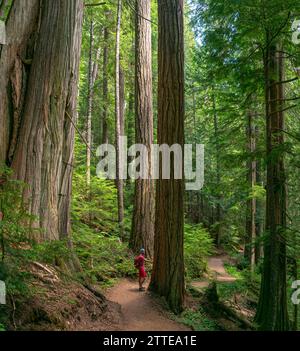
x=218, y=217
x=142, y=234
x=168, y=269
x=105, y=87
x=119, y=125
x=272, y=308
x=249, y=252
x=38, y=80
x=90, y=107
x=259, y=217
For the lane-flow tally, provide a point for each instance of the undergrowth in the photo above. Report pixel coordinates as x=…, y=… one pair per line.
x=103, y=257
x=198, y=246
x=198, y=320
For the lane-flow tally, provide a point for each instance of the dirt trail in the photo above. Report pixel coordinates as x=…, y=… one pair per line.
x=217, y=272
x=140, y=311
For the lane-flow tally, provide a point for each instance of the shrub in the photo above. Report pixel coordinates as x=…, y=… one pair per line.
x=103, y=257
x=198, y=246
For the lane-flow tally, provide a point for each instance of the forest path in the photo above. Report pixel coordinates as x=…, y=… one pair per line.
x=139, y=310
x=217, y=272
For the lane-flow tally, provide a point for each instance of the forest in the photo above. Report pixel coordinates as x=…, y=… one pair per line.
x=164, y=132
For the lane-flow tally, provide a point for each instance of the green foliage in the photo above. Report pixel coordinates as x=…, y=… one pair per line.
x=14, y=235
x=233, y=271
x=197, y=320
x=50, y=251
x=95, y=226
x=95, y=206
x=103, y=257
x=198, y=246
x=15, y=245
x=247, y=283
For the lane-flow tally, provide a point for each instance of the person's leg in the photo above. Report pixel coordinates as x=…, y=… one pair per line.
x=141, y=282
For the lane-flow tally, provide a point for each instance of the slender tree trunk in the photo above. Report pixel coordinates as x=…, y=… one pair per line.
x=130, y=120
x=168, y=270
x=119, y=126
x=105, y=87
x=272, y=309
x=249, y=252
x=90, y=107
x=92, y=76
x=259, y=218
x=122, y=102
x=39, y=77
x=218, y=176
x=143, y=214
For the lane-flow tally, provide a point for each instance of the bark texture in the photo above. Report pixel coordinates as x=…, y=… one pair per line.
x=90, y=107
x=38, y=87
x=142, y=234
x=104, y=139
x=272, y=309
x=218, y=217
x=119, y=112
x=249, y=252
x=168, y=270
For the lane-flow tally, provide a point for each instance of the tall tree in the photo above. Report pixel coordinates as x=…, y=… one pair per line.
x=218, y=173
x=249, y=252
x=119, y=123
x=168, y=269
x=142, y=234
x=38, y=93
x=272, y=311
x=105, y=86
x=90, y=107
x=92, y=76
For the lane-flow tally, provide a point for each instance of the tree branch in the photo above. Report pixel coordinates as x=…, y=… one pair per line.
x=79, y=132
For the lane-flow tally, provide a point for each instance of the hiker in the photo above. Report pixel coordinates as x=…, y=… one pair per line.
x=139, y=263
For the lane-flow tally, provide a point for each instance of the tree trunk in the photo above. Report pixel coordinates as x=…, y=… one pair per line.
x=249, y=252
x=218, y=217
x=259, y=218
x=168, y=269
x=272, y=309
x=143, y=214
x=38, y=87
x=119, y=123
x=105, y=87
x=122, y=102
x=90, y=107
